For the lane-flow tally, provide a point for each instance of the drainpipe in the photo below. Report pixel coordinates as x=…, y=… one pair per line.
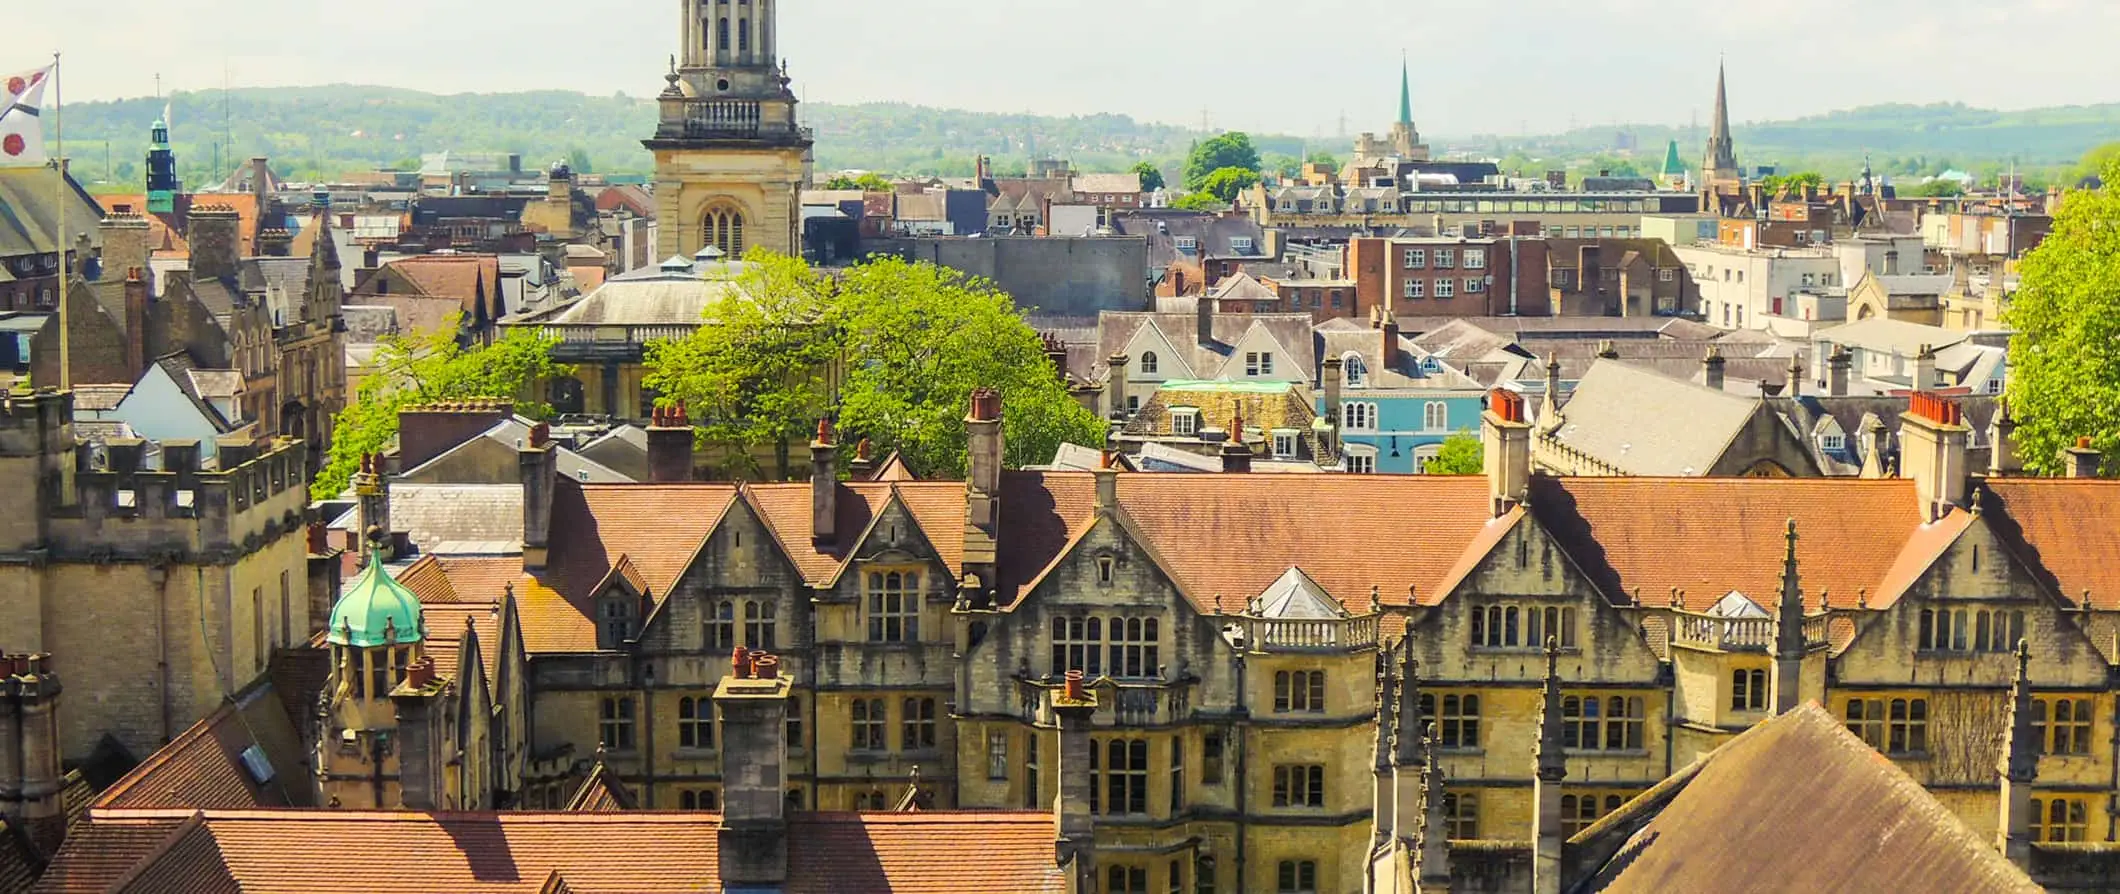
x=645, y=673
x=160, y=574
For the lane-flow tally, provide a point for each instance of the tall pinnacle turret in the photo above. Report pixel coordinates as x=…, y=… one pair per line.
x=1721, y=163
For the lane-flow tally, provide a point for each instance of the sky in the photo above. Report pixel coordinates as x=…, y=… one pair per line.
x=1478, y=66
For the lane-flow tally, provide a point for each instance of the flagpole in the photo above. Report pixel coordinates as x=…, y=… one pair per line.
x=66, y=370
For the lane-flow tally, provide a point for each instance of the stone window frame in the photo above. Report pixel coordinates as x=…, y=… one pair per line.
x=695, y=722
x=892, y=614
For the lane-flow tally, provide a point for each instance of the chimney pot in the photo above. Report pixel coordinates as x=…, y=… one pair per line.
x=765, y=667
x=1075, y=692
x=740, y=663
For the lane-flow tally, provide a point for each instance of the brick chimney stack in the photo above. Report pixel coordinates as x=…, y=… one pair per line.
x=1236, y=455
x=124, y=243
x=1204, y=319
x=669, y=445
x=214, y=236
x=1711, y=367
x=2003, y=460
x=1115, y=387
x=1838, y=365
x=430, y=430
x=423, y=744
x=30, y=772
x=135, y=320
x=1074, y=842
x=538, y=461
x=1923, y=377
x=753, y=702
x=863, y=466
x=2082, y=460
x=824, y=485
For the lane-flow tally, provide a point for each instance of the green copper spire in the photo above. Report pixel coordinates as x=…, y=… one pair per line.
x=1672, y=166
x=1405, y=93
x=375, y=610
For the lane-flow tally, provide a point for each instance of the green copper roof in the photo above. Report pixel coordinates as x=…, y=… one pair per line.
x=372, y=605
x=1672, y=166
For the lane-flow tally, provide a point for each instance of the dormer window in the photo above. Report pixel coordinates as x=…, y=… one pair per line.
x=1833, y=443
x=1357, y=373
x=614, y=621
x=1184, y=421
x=1240, y=244
x=1188, y=243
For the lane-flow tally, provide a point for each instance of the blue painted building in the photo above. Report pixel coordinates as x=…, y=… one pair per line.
x=1394, y=405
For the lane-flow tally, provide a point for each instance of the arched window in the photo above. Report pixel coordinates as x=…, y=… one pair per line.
x=721, y=34
x=723, y=229
x=743, y=35
x=1148, y=363
x=1435, y=416
x=1356, y=372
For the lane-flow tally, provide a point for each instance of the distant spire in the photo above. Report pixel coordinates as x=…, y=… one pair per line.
x=1721, y=157
x=1405, y=92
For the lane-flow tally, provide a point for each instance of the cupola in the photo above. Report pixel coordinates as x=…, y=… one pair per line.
x=376, y=611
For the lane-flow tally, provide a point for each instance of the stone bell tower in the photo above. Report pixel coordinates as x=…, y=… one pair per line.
x=730, y=157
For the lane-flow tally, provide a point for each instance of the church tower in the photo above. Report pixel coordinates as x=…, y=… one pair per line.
x=730, y=157
x=162, y=183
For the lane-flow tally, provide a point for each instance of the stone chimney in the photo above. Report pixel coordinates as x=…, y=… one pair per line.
x=754, y=774
x=1547, y=833
x=1055, y=354
x=426, y=431
x=1507, y=438
x=1923, y=377
x=1388, y=347
x=1236, y=455
x=1204, y=319
x=1796, y=374
x=1335, y=381
x=1115, y=387
x=124, y=243
x=669, y=445
x=30, y=771
x=1933, y=438
x=424, y=749
x=135, y=320
x=863, y=466
x=2082, y=460
x=2003, y=460
x=1790, y=646
x=824, y=486
x=982, y=490
x=275, y=242
x=1838, y=364
x=1074, y=844
x=214, y=235
x=2018, y=765
x=371, y=487
x=538, y=460
x=1711, y=368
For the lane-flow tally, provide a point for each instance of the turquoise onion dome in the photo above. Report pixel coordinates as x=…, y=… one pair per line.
x=375, y=610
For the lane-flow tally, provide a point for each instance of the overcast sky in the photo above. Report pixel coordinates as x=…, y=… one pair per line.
x=1478, y=65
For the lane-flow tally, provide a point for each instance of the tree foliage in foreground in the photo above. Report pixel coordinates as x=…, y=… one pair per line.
x=429, y=368
x=1461, y=454
x=905, y=344
x=1229, y=150
x=2064, y=380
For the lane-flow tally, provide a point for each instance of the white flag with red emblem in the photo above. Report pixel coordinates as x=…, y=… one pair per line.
x=21, y=124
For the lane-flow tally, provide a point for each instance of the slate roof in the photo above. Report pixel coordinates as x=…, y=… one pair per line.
x=1647, y=424
x=1115, y=329
x=1797, y=803
x=646, y=297
x=29, y=211
x=432, y=514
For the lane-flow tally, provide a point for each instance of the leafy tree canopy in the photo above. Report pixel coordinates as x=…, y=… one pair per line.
x=1199, y=201
x=1777, y=184
x=2064, y=379
x=420, y=369
x=1461, y=454
x=1324, y=158
x=909, y=342
x=1937, y=188
x=1226, y=183
x=1229, y=150
x=1151, y=176
x=865, y=183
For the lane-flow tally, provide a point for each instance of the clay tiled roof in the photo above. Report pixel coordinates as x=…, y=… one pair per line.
x=601, y=792
x=18, y=867
x=330, y=852
x=1042, y=515
x=786, y=509
x=203, y=766
x=923, y=853
x=1796, y=804
x=1923, y=547
x=462, y=277
x=1711, y=536
x=445, y=637
x=658, y=527
x=2066, y=526
x=1233, y=535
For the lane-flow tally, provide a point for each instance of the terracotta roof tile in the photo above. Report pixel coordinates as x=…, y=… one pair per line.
x=1923, y=547
x=601, y=792
x=1711, y=536
x=280, y=852
x=786, y=509
x=1042, y=515
x=2071, y=526
x=461, y=277
x=1233, y=535
x=445, y=637
x=660, y=527
x=923, y=853
x=203, y=766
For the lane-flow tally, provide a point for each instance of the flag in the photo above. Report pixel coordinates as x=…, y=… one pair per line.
x=21, y=127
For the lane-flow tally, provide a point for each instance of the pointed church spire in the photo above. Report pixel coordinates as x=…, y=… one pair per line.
x=1405, y=92
x=1721, y=163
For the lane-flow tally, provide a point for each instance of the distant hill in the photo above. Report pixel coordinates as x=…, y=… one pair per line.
x=319, y=131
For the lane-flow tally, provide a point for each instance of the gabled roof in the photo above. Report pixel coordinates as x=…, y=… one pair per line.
x=1115, y=330
x=1797, y=803
x=2065, y=529
x=1647, y=424
x=601, y=792
x=204, y=766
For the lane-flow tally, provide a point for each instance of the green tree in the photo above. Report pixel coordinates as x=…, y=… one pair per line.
x=1199, y=201
x=420, y=369
x=1937, y=188
x=755, y=375
x=1325, y=158
x=1226, y=183
x=2064, y=381
x=578, y=161
x=1461, y=454
x=2094, y=162
x=911, y=341
x=1151, y=176
x=1229, y=150
x=865, y=183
